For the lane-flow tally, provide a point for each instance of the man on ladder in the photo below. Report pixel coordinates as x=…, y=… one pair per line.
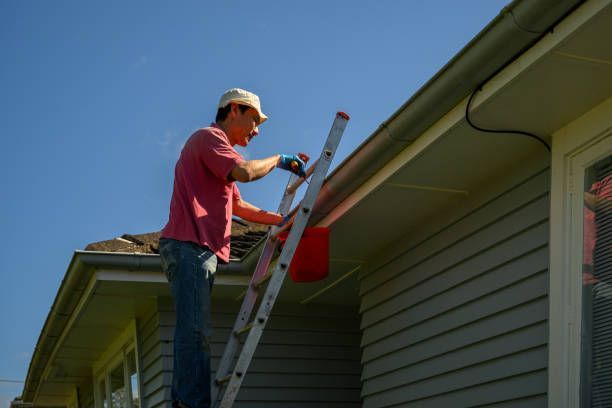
x=197, y=234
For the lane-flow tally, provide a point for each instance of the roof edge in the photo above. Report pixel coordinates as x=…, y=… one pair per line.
x=74, y=280
x=78, y=274
x=499, y=43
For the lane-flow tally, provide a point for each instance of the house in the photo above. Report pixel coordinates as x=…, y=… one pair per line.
x=465, y=270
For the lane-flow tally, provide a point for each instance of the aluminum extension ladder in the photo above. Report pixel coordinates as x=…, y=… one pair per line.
x=229, y=379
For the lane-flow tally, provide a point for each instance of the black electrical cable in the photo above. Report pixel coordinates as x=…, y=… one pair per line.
x=479, y=87
x=519, y=132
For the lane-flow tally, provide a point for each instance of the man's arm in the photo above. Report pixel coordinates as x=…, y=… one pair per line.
x=249, y=212
x=254, y=169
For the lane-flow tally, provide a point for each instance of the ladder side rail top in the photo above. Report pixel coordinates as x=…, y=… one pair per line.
x=299, y=224
x=250, y=297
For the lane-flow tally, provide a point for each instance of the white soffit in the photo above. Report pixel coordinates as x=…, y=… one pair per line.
x=571, y=78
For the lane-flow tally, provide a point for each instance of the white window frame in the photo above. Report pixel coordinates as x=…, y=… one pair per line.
x=576, y=147
x=115, y=354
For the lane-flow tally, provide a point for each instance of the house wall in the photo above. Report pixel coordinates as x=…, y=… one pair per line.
x=456, y=314
x=155, y=354
x=309, y=356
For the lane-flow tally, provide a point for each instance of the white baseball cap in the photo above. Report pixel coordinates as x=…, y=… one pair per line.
x=242, y=97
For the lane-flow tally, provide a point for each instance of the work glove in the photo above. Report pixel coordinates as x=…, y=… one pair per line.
x=285, y=220
x=295, y=163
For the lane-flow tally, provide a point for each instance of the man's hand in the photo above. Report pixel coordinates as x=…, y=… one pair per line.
x=285, y=220
x=295, y=163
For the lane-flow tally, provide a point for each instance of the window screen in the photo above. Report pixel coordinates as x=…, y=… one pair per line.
x=596, y=331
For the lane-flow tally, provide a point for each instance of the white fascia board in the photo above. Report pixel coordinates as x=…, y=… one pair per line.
x=119, y=275
x=86, y=296
x=497, y=84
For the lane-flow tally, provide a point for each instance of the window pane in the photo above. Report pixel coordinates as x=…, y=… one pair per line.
x=596, y=338
x=133, y=375
x=117, y=383
x=102, y=392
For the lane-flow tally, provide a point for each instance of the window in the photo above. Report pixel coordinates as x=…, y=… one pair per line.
x=117, y=381
x=596, y=316
x=580, y=310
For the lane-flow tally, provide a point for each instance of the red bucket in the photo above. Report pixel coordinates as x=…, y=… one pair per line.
x=310, y=262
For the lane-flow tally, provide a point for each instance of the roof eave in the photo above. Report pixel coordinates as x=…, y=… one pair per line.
x=497, y=44
x=78, y=275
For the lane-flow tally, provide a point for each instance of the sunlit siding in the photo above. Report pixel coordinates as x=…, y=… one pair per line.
x=459, y=318
x=155, y=359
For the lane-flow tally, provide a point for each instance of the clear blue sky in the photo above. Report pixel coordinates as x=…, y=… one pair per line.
x=97, y=98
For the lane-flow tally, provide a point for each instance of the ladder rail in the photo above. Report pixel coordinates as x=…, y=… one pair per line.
x=300, y=221
x=250, y=296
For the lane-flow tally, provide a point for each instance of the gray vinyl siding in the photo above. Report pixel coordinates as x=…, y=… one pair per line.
x=155, y=360
x=459, y=317
x=309, y=356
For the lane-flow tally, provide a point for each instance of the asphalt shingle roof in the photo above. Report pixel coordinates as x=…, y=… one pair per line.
x=245, y=235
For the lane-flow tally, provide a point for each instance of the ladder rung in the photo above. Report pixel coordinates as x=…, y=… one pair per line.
x=282, y=229
x=244, y=329
x=255, y=285
x=242, y=295
x=263, y=279
x=249, y=326
x=223, y=380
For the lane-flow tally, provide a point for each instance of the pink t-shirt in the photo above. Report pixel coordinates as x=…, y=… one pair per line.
x=201, y=206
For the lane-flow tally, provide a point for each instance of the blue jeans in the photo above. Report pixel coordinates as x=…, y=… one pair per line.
x=190, y=270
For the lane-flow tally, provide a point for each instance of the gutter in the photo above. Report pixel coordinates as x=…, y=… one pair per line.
x=74, y=282
x=516, y=28
x=139, y=262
